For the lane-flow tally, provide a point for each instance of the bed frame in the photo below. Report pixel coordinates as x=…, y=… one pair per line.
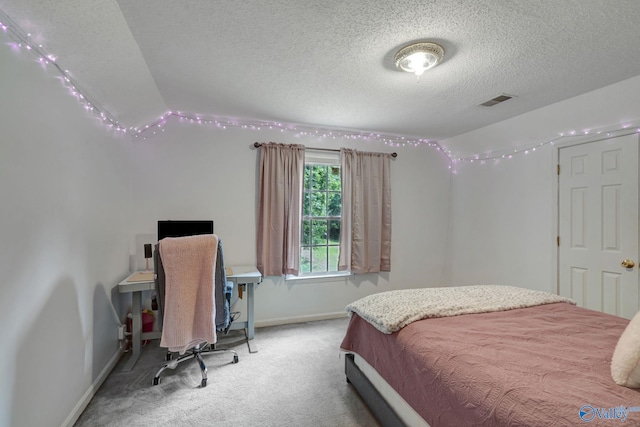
x=380, y=408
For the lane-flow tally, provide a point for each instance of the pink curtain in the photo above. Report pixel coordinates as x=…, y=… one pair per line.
x=365, y=239
x=280, y=208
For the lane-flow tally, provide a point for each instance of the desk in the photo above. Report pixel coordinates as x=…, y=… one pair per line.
x=249, y=277
x=136, y=289
x=246, y=277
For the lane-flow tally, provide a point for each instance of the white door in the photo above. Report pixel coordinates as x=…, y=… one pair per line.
x=598, y=221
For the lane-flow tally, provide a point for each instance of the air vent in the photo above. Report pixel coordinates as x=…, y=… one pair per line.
x=496, y=100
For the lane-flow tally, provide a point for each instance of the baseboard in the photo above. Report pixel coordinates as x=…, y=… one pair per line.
x=91, y=391
x=300, y=319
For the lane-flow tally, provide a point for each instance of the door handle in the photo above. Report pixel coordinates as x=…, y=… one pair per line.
x=627, y=263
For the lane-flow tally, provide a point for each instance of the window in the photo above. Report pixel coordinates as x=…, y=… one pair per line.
x=320, y=233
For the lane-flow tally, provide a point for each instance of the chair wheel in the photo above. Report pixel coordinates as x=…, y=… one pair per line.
x=203, y=383
x=156, y=381
x=168, y=356
x=235, y=358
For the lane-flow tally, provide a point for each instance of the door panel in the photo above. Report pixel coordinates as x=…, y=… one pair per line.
x=598, y=224
x=578, y=215
x=611, y=218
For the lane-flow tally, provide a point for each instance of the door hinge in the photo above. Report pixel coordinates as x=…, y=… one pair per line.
x=558, y=169
x=558, y=240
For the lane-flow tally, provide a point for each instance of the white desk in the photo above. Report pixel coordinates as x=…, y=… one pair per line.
x=247, y=277
x=136, y=289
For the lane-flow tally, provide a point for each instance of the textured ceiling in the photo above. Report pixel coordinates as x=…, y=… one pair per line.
x=330, y=63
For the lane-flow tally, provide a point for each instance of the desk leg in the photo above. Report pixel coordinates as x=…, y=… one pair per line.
x=250, y=319
x=136, y=330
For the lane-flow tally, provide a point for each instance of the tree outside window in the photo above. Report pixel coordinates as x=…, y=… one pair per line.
x=320, y=236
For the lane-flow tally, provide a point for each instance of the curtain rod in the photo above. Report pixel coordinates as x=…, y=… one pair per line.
x=259, y=144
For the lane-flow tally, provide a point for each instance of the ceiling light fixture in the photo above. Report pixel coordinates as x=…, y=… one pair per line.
x=419, y=57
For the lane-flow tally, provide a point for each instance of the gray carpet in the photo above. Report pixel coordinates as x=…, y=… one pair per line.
x=295, y=379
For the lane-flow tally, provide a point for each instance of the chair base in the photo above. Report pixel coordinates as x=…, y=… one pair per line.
x=195, y=353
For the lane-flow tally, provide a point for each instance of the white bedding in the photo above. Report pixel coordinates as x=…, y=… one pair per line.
x=391, y=311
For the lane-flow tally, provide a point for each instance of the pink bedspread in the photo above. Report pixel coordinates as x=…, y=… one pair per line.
x=534, y=366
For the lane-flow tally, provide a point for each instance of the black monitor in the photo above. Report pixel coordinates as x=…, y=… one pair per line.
x=181, y=228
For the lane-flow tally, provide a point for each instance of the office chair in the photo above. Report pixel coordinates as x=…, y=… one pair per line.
x=189, y=260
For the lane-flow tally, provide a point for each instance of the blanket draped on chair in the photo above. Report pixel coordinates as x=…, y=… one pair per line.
x=189, y=308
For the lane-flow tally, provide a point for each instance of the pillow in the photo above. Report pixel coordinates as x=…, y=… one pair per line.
x=625, y=363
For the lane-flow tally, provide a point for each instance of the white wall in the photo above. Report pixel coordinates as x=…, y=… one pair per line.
x=64, y=240
x=503, y=223
x=504, y=213
x=192, y=172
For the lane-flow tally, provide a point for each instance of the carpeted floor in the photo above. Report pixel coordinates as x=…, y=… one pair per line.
x=295, y=379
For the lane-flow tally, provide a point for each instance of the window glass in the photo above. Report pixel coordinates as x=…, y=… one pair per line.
x=334, y=204
x=305, y=260
x=322, y=205
x=318, y=203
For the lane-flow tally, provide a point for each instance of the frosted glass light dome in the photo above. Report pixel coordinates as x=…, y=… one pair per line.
x=419, y=57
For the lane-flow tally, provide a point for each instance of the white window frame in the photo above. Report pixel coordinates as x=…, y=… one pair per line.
x=328, y=159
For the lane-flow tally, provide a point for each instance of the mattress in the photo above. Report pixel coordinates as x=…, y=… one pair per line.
x=547, y=365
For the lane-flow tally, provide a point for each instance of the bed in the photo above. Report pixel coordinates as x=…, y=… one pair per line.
x=474, y=361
